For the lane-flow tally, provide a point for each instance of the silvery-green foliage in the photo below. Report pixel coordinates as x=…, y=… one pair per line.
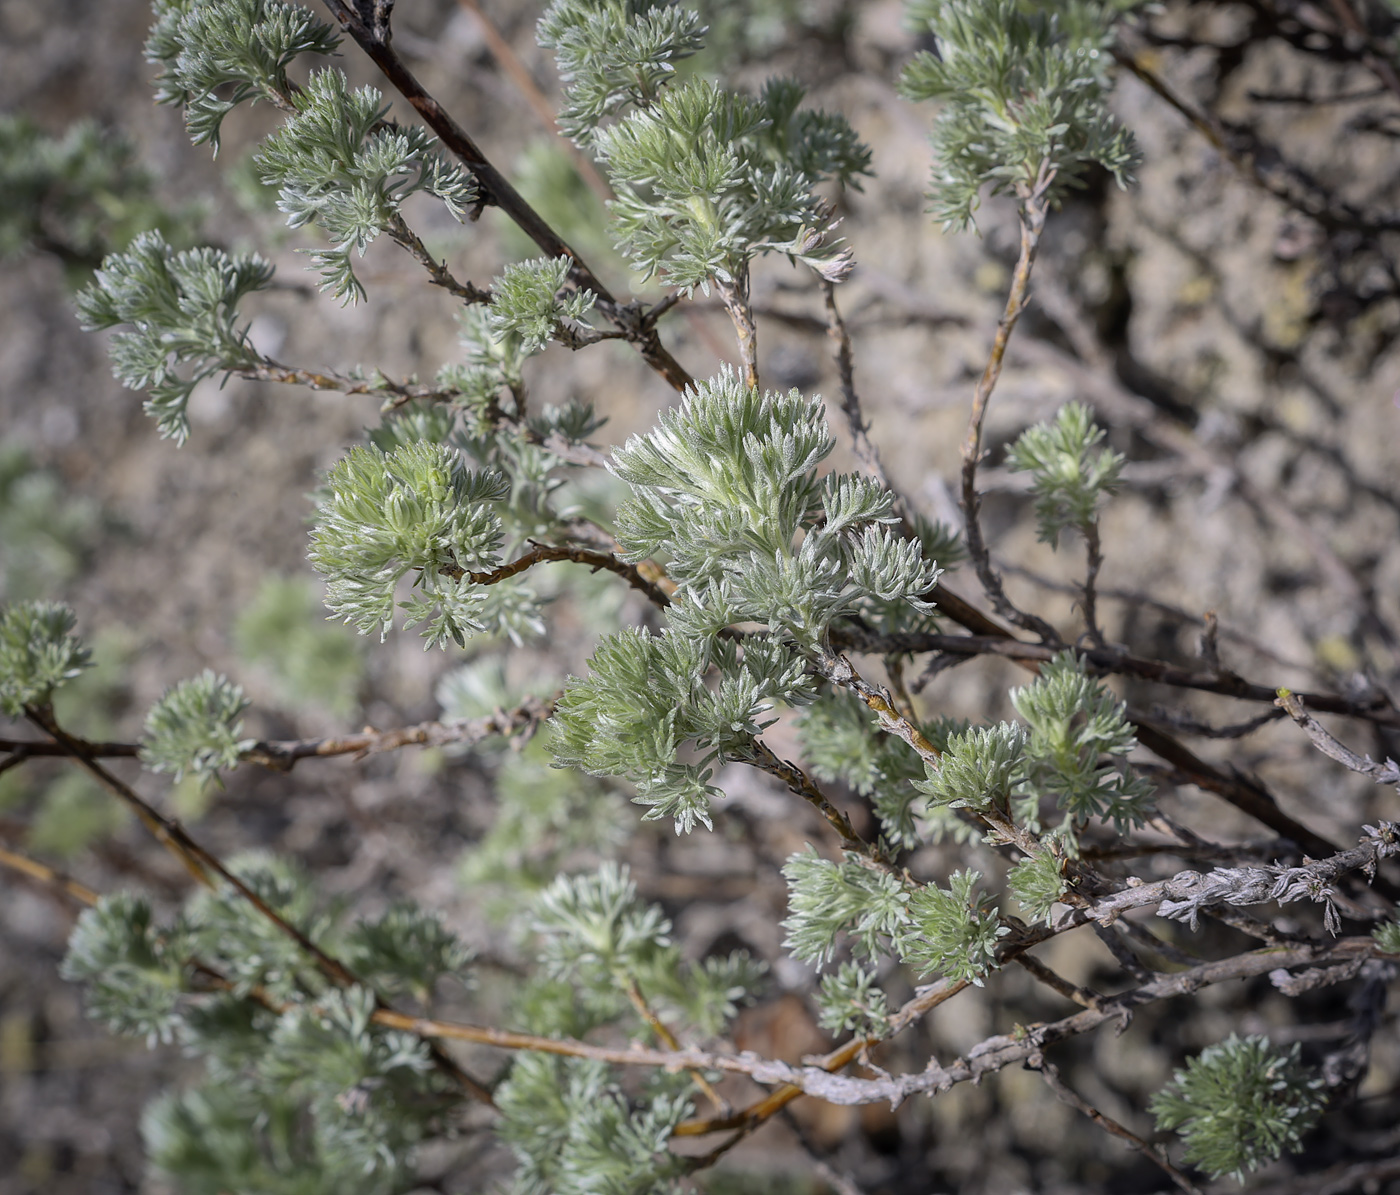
x=1071, y=480
x=849, y=1001
x=405, y=949
x=339, y=1101
x=77, y=195
x=1037, y=883
x=574, y=1132
x=978, y=770
x=494, y=364
x=415, y=510
x=726, y=491
x=38, y=653
x=952, y=932
x=248, y=949
x=614, y=53
x=338, y=163
x=214, y=54
x=181, y=307
x=1023, y=84
x=134, y=973
x=600, y=937
x=526, y=300
x=826, y=899
x=1240, y=1104
x=820, y=144
x=646, y=696
x=701, y=188
x=370, y=1092
x=726, y=486
x=195, y=728
x=1387, y=936
x=1074, y=723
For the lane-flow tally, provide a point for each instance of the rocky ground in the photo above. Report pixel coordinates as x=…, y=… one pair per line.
x=1243, y=356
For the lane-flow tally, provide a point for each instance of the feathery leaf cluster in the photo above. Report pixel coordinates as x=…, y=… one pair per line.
x=1075, y=722
x=614, y=54
x=339, y=164
x=182, y=307
x=951, y=931
x=723, y=490
x=826, y=899
x=575, y=1132
x=194, y=728
x=600, y=938
x=240, y=46
x=849, y=1000
x=646, y=696
x=1071, y=481
x=1240, y=1104
x=1024, y=88
x=705, y=177
x=416, y=509
x=340, y=1100
x=526, y=301
x=704, y=183
x=38, y=653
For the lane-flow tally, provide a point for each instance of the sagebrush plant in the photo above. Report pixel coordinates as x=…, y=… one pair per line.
x=768, y=576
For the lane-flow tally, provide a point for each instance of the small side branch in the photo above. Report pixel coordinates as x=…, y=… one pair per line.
x=1033, y=210
x=1067, y=1095
x=208, y=869
x=1386, y=773
x=438, y=273
x=545, y=553
x=800, y=783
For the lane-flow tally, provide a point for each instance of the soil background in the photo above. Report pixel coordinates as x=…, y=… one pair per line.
x=1242, y=355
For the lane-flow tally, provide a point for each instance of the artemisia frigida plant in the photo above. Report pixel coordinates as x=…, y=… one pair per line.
x=780, y=585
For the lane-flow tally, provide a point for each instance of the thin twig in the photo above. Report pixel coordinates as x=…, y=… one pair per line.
x=800, y=783
x=1105, y=662
x=509, y=61
x=663, y=1031
x=545, y=553
x=838, y=334
x=438, y=273
x=1091, y=577
x=1067, y=1095
x=1034, y=207
x=1322, y=739
x=48, y=876
x=493, y=188
x=522, y=720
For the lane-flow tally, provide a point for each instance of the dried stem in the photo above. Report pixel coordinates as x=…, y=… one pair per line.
x=734, y=294
x=1386, y=773
x=1066, y=1095
x=1034, y=208
x=663, y=1031
x=800, y=783
x=544, y=553
x=1091, y=577
x=48, y=876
